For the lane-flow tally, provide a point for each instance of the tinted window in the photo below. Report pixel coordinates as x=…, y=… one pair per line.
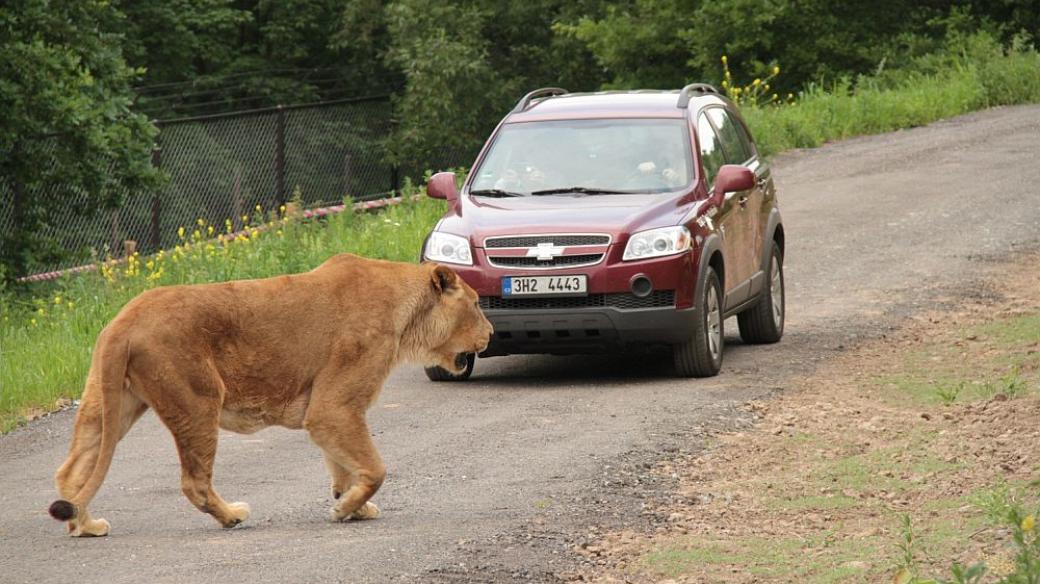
x=628, y=155
x=734, y=140
x=712, y=156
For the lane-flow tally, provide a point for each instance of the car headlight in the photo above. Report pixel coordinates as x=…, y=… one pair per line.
x=448, y=248
x=657, y=242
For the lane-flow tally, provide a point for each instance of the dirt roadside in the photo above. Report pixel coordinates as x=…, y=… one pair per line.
x=938, y=423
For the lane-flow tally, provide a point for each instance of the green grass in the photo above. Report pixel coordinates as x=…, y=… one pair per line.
x=978, y=73
x=46, y=338
x=816, y=559
x=1000, y=359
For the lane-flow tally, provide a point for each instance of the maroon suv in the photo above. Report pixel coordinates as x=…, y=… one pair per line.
x=604, y=221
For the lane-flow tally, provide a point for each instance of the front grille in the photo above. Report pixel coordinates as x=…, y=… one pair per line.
x=557, y=240
x=622, y=301
x=585, y=259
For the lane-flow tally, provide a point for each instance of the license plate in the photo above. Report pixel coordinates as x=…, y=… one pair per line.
x=545, y=285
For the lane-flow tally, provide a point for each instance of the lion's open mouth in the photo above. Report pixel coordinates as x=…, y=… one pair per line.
x=461, y=361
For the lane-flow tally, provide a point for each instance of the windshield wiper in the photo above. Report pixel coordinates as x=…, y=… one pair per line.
x=495, y=193
x=583, y=190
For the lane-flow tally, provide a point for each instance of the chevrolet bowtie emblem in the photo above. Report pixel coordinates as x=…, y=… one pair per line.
x=545, y=252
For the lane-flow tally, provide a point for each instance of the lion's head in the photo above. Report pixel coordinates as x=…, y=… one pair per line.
x=454, y=325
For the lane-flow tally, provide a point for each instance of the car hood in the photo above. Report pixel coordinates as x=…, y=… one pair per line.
x=617, y=215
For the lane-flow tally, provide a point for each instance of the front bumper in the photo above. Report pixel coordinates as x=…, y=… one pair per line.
x=586, y=330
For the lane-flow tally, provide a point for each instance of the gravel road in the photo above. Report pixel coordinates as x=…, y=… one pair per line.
x=496, y=480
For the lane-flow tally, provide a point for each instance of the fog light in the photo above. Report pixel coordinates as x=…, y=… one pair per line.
x=641, y=286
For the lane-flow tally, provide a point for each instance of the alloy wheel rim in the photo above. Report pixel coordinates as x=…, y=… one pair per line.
x=714, y=323
x=776, y=288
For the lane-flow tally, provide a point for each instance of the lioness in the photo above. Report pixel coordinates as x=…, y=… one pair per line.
x=307, y=351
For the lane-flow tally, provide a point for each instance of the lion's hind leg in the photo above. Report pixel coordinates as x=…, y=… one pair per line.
x=195, y=426
x=83, y=457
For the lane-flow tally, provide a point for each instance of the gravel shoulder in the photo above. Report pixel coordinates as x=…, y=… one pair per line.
x=502, y=478
x=935, y=423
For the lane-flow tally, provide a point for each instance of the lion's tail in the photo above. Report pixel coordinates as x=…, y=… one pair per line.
x=112, y=357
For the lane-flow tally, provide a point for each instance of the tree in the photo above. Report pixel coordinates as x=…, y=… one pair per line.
x=450, y=89
x=68, y=134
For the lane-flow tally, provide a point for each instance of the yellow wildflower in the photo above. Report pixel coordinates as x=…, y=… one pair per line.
x=259, y=209
x=1028, y=523
x=41, y=312
x=724, y=60
x=776, y=69
x=32, y=321
x=57, y=300
x=756, y=82
x=281, y=209
x=209, y=230
x=180, y=232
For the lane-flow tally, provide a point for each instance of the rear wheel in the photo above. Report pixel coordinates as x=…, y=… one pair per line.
x=701, y=356
x=442, y=374
x=764, y=322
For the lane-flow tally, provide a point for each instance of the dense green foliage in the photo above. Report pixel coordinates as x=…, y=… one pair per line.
x=68, y=135
x=74, y=72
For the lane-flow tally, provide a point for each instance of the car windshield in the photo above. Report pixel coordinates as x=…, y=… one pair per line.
x=586, y=157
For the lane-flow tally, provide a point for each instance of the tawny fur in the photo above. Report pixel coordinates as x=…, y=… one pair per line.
x=304, y=351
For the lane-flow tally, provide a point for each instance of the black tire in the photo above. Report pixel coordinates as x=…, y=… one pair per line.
x=701, y=356
x=764, y=321
x=441, y=374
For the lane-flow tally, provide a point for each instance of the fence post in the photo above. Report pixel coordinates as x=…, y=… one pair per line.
x=237, y=204
x=116, y=242
x=346, y=190
x=156, y=236
x=279, y=157
x=395, y=172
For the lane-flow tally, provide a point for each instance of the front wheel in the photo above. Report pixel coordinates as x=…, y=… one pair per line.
x=701, y=356
x=442, y=374
x=764, y=321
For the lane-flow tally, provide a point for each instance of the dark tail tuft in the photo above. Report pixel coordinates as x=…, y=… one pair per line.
x=62, y=510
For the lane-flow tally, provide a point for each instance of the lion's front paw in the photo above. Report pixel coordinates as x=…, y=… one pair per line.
x=367, y=511
x=239, y=513
x=92, y=528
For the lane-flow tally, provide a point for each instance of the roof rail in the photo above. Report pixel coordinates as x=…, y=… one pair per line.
x=543, y=92
x=685, y=94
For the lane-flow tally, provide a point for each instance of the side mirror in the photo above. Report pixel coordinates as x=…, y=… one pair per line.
x=732, y=178
x=442, y=186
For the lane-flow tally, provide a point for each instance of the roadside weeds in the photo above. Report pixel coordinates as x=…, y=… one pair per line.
x=891, y=463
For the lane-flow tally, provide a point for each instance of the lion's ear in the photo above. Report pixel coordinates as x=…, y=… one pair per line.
x=443, y=279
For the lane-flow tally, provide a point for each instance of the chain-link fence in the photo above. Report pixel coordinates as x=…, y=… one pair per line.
x=222, y=166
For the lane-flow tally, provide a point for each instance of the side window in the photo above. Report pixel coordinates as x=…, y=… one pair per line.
x=734, y=140
x=712, y=157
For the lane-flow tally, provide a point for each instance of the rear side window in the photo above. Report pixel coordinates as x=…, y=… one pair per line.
x=735, y=140
x=712, y=156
